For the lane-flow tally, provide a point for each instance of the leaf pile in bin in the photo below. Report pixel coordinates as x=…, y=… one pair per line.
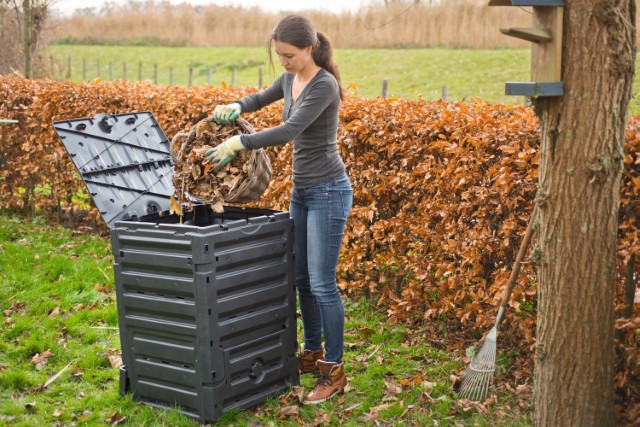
x=194, y=177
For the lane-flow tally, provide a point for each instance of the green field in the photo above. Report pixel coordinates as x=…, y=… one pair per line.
x=410, y=73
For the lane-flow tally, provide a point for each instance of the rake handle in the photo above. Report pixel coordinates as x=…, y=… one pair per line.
x=517, y=264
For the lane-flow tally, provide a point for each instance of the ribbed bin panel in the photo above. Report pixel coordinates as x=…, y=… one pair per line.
x=206, y=313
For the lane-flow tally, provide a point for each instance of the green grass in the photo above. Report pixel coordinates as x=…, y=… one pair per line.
x=57, y=298
x=410, y=73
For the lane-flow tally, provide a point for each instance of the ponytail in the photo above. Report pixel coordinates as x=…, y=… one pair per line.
x=322, y=53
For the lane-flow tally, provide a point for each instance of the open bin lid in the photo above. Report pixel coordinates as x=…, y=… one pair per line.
x=124, y=161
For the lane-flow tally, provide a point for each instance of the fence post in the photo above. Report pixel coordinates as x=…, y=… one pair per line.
x=155, y=74
x=170, y=76
x=384, y=88
x=445, y=93
x=209, y=76
x=110, y=71
x=98, y=68
x=69, y=67
x=233, y=77
x=140, y=70
x=124, y=70
x=259, y=77
x=84, y=69
x=190, y=76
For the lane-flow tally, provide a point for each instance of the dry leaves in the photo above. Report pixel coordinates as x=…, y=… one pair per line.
x=194, y=177
x=115, y=419
x=40, y=360
x=115, y=359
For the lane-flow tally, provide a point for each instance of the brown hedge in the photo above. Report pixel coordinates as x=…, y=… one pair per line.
x=442, y=191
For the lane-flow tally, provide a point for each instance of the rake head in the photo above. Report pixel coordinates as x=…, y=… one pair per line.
x=478, y=377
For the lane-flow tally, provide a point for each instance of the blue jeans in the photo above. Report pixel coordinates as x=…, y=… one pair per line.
x=319, y=214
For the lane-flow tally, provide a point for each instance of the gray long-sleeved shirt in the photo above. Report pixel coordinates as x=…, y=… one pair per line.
x=311, y=123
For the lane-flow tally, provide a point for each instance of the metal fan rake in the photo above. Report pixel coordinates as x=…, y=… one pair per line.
x=477, y=378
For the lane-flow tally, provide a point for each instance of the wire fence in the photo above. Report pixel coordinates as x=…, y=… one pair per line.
x=189, y=75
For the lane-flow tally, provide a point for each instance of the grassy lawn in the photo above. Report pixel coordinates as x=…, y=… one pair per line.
x=59, y=350
x=409, y=72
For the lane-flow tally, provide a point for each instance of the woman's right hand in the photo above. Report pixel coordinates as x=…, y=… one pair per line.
x=226, y=114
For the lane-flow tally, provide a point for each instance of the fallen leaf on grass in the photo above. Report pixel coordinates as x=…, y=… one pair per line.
x=77, y=374
x=288, y=411
x=366, y=331
x=114, y=358
x=413, y=380
x=40, y=360
x=392, y=388
x=374, y=412
x=57, y=413
x=115, y=419
x=322, y=420
x=102, y=288
x=54, y=312
x=456, y=381
x=296, y=392
x=351, y=408
x=523, y=388
x=482, y=407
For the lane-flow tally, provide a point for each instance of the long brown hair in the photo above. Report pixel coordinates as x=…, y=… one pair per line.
x=297, y=31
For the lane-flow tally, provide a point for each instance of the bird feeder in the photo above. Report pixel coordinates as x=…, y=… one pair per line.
x=546, y=51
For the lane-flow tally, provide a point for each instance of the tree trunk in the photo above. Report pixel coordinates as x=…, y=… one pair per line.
x=27, y=36
x=583, y=134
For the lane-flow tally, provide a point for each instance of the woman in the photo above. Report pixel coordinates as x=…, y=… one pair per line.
x=322, y=195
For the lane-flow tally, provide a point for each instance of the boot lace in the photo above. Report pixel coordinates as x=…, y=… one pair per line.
x=323, y=381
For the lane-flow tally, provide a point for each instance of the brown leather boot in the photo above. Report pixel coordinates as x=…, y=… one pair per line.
x=331, y=381
x=307, y=360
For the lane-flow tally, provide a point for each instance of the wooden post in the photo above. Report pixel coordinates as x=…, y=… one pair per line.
x=190, y=76
x=384, y=88
x=233, y=77
x=445, y=93
x=170, y=76
x=259, y=77
x=155, y=74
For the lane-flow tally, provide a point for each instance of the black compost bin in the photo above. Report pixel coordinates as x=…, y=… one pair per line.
x=206, y=302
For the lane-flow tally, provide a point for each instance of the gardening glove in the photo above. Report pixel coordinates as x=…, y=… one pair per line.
x=226, y=114
x=222, y=154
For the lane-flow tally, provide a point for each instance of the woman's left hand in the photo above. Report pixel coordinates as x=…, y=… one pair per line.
x=222, y=154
